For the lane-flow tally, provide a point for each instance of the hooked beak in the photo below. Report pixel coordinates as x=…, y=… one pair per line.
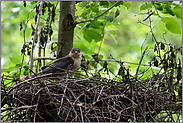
x=76, y=52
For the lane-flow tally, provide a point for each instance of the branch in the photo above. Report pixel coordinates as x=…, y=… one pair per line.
x=34, y=38
x=119, y=61
x=39, y=45
x=140, y=61
x=44, y=58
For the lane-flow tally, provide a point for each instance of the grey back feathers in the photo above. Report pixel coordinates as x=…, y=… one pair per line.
x=62, y=63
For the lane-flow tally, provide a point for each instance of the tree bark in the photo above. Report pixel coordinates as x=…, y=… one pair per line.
x=66, y=28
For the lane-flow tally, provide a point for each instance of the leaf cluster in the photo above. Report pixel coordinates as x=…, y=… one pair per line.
x=98, y=13
x=167, y=23
x=169, y=60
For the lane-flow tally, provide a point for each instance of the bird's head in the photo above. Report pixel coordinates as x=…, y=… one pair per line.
x=75, y=52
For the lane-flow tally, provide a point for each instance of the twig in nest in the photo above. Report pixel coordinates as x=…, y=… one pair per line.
x=42, y=84
x=17, y=109
x=36, y=108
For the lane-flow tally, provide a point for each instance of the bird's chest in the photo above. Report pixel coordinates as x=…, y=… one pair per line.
x=76, y=64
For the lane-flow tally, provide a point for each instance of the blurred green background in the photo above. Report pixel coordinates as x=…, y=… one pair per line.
x=124, y=37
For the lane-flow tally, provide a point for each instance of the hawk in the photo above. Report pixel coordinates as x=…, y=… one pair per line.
x=70, y=62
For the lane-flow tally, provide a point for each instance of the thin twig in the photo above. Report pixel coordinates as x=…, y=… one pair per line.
x=34, y=38
x=140, y=62
x=36, y=108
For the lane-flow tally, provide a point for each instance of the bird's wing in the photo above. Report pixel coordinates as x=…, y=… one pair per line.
x=62, y=63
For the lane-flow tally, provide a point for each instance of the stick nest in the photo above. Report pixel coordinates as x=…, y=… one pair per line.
x=93, y=99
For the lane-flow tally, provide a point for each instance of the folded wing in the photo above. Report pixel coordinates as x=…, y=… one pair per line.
x=62, y=63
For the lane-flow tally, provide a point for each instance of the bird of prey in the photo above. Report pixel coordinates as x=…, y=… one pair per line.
x=70, y=62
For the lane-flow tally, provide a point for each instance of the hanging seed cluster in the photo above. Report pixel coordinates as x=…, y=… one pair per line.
x=46, y=30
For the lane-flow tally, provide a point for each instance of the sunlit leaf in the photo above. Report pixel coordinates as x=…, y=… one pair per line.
x=162, y=26
x=172, y=25
x=127, y=4
x=15, y=60
x=111, y=27
x=79, y=12
x=176, y=93
x=7, y=70
x=178, y=12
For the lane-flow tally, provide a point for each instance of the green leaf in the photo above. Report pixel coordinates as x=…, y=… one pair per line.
x=178, y=12
x=111, y=27
x=95, y=25
x=167, y=2
x=119, y=3
x=84, y=14
x=89, y=35
x=105, y=47
x=78, y=12
x=172, y=25
x=14, y=60
x=176, y=93
x=26, y=67
x=83, y=3
x=162, y=26
x=9, y=69
x=168, y=9
x=108, y=18
x=33, y=2
x=127, y=4
x=94, y=7
x=159, y=6
x=100, y=56
x=145, y=6
x=104, y=4
x=117, y=12
x=112, y=3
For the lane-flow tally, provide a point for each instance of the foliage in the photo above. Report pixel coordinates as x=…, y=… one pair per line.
x=95, y=31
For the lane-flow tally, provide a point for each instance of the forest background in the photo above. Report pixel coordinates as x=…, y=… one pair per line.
x=124, y=38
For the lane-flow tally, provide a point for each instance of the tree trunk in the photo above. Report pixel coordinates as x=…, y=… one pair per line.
x=66, y=28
